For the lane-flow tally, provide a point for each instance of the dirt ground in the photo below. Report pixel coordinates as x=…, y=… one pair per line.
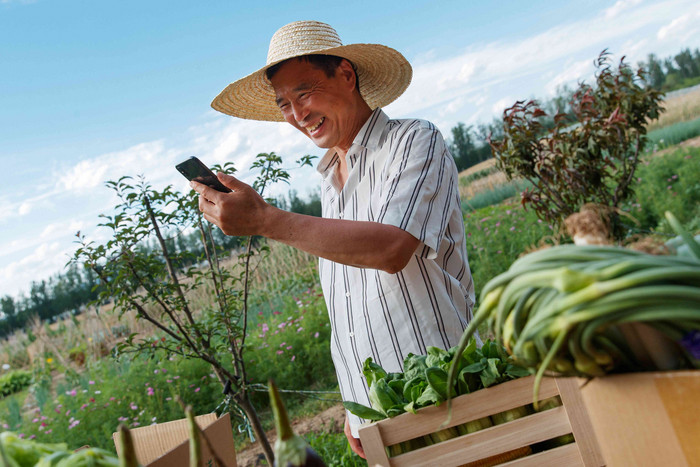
x=331, y=419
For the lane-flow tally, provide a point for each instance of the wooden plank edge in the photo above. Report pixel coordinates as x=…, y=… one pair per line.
x=479, y=404
x=489, y=442
x=581, y=425
x=562, y=456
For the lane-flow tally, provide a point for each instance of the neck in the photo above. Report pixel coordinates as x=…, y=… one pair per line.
x=361, y=116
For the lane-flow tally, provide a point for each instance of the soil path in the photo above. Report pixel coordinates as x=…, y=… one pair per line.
x=330, y=420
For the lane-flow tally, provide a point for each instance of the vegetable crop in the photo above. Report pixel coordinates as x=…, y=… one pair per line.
x=18, y=452
x=424, y=382
x=568, y=310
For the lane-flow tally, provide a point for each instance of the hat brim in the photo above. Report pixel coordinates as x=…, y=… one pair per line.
x=383, y=73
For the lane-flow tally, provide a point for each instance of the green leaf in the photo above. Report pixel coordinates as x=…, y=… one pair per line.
x=363, y=411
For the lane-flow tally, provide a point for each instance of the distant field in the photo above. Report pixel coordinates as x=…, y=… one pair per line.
x=679, y=108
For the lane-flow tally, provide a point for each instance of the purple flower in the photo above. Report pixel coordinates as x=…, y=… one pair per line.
x=691, y=343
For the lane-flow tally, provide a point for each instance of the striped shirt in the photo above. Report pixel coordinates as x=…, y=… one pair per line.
x=400, y=173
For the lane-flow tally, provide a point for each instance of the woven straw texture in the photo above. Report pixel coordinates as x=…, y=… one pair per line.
x=384, y=73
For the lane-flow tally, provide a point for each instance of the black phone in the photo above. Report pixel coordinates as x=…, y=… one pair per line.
x=194, y=170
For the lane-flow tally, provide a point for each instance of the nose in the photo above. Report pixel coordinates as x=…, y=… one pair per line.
x=300, y=112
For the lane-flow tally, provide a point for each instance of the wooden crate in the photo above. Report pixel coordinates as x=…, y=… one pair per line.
x=636, y=419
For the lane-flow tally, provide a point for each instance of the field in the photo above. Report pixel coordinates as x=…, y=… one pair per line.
x=79, y=392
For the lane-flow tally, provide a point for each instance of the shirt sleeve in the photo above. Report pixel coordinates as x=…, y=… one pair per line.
x=418, y=186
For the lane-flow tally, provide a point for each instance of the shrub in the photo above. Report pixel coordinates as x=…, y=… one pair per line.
x=497, y=235
x=589, y=160
x=669, y=182
x=14, y=381
x=334, y=449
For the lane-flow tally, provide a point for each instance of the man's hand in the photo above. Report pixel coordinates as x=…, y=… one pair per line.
x=355, y=443
x=240, y=213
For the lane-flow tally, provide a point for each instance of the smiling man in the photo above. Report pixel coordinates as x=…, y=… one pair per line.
x=391, y=243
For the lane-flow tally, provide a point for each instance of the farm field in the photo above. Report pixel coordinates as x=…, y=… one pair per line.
x=80, y=393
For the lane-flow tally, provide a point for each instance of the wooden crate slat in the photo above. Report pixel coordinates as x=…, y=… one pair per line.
x=489, y=442
x=373, y=446
x=465, y=408
x=581, y=425
x=563, y=456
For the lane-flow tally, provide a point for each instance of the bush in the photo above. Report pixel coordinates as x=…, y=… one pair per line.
x=14, y=381
x=334, y=450
x=497, y=235
x=291, y=346
x=669, y=182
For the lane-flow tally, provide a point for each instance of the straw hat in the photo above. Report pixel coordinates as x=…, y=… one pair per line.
x=384, y=73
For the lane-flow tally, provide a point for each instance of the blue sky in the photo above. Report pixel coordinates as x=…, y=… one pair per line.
x=91, y=91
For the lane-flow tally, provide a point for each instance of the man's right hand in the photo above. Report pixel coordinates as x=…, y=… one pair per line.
x=238, y=213
x=355, y=443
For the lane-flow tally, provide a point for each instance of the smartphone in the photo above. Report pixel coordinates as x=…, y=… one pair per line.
x=194, y=170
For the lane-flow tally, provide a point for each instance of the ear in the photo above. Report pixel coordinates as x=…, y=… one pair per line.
x=347, y=73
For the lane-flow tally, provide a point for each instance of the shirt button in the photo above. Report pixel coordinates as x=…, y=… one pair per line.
x=352, y=334
x=347, y=294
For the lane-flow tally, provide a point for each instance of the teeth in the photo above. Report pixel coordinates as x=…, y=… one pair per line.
x=311, y=129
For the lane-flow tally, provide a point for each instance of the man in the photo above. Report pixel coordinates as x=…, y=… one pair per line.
x=391, y=241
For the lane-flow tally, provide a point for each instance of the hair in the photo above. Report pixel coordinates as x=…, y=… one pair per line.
x=327, y=63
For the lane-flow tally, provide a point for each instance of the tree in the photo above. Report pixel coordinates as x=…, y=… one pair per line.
x=148, y=281
x=592, y=161
x=462, y=146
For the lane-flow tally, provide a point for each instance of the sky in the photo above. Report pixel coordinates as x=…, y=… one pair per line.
x=91, y=91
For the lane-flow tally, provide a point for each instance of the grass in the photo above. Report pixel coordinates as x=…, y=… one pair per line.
x=673, y=134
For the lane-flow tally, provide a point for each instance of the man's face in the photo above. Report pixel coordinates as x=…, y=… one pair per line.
x=318, y=106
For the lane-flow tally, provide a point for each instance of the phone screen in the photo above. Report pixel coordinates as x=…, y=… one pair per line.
x=194, y=170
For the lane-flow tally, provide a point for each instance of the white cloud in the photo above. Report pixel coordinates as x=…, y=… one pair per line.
x=88, y=174
x=681, y=28
x=572, y=73
x=500, y=105
x=619, y=7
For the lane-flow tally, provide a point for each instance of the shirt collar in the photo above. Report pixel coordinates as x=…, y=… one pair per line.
x=369, y=137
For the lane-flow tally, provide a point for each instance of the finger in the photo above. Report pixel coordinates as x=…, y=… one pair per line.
x=230, y=181
x=209, y=193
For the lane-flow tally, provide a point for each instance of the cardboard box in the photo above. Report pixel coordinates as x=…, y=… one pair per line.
x=167, y=444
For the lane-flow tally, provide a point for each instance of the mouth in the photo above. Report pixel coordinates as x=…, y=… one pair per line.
x=313, y=128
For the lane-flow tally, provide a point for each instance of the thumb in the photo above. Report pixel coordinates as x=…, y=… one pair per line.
x=230, y=181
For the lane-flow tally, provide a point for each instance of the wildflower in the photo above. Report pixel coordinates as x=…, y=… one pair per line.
x=49, y=431
x=98, y=392
x=196, y=390
x=92, y=399
x=299, y=329
x=280, y=352
x=49, y=360
x=294, y=357
x=5, y=366
x=151, y=391
x=155, y=372
x=73, y=424
x=83, y=407
x=35, y=420
x=281, y=325
x=91, y=382
x=265, y=328
x=316, y=334
x=32, y=437
x=289, y=347
x=512, y=228
x=276, y=312
x=71, y=392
